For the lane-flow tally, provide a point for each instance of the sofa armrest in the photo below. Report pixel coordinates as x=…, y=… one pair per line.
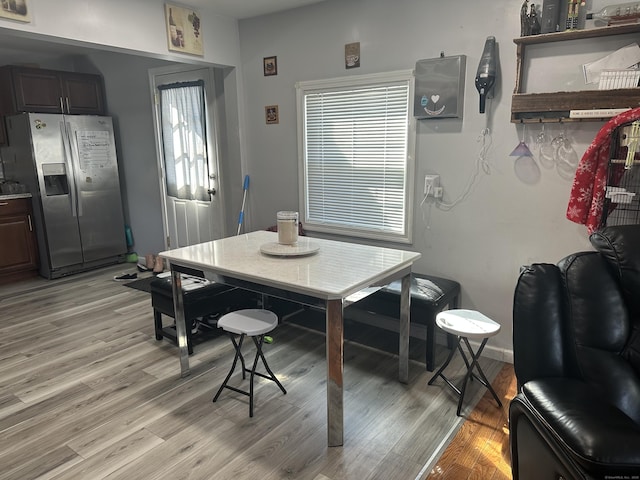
x=592, y=433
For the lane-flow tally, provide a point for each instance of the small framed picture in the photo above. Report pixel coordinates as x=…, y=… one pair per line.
x=270, y=66
x=271, y=114
x=15, y=10
x=183, y=29
x=352, y=55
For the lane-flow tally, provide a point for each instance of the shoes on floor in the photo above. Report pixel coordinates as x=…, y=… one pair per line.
x=158, y=266
x=194, y=326
x=125, y=276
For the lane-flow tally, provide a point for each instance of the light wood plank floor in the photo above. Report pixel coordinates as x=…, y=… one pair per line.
x=86, y=392
x=480, y=449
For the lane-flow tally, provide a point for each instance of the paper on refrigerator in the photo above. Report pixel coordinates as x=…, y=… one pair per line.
x=622, y=58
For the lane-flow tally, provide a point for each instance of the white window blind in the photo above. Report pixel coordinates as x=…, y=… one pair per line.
x=356, y=142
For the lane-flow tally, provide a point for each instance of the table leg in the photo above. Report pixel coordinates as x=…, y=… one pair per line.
x=335, y=359
x=403, y=347
x=181, y=326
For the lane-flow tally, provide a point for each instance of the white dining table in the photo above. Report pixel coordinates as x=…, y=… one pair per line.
x=315, y=272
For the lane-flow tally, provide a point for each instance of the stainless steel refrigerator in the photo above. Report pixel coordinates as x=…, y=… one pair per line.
x=69, y=164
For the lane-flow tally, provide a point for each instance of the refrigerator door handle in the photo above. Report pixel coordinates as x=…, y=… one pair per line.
x=68, y=161
x=75, y=161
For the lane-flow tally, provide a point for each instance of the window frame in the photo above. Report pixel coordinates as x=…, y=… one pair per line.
x=342, y=83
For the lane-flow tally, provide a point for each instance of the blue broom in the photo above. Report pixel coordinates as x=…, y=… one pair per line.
x=245, y=187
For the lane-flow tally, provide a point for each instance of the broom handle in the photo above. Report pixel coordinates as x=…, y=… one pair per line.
x=245, y=187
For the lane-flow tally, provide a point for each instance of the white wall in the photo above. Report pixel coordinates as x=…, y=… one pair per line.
x=510, y=217
x=133, y=26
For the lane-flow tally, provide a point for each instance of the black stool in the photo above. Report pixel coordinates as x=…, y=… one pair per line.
x=254, y=323
x=429, y=296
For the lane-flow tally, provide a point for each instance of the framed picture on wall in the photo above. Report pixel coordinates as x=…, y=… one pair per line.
x=270, y=66
x=352, y=55
x=15, y=10
x=183, y=29
x=271, y=114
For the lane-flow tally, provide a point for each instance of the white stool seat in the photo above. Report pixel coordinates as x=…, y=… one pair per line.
x=250, y=321
x=467, y=323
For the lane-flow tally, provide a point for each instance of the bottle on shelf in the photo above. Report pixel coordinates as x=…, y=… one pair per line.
x=533, y=21
x=616, y=14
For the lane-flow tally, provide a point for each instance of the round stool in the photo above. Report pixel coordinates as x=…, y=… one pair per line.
x=254, y=323
x=466, y=324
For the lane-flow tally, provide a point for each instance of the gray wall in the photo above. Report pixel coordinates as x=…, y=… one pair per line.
x=515, y=211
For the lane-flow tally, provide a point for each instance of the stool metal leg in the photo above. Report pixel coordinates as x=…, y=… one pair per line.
x=482, y=378
x=445, y=365
x=237, y=347
x=469, y=375
x=238, y=355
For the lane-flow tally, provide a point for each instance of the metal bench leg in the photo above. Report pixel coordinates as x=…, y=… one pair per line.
x=157, y=321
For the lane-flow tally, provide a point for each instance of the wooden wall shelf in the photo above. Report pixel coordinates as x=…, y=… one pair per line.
x=555, y=106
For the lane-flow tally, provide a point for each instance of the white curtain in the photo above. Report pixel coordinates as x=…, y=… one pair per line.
x=184, y=140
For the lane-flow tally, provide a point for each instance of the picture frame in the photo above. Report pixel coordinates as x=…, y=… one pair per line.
x=19, y=10
x=352, y=55
x=270, y=66
x=184, y=32
x=271, y=114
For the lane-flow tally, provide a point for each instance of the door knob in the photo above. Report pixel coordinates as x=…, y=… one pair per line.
x=211, y=191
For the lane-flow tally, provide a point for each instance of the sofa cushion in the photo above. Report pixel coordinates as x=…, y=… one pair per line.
x=596, y=435
x=620, y=245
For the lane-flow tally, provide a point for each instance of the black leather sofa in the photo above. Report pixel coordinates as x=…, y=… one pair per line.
x=576, y=344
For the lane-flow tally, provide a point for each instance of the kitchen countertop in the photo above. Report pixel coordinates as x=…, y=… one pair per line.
x=14, y=196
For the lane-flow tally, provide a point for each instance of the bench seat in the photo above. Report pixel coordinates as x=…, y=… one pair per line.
x=429, y=296
x=202, y=298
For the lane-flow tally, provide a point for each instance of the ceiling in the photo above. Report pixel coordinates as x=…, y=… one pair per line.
x=14, y=48
x=246, y=8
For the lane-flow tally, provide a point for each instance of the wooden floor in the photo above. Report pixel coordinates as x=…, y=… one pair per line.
x=480, y=449
x=86, y=392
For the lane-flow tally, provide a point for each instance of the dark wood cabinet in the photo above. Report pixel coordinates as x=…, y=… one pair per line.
x=38, y=90
x=18, y=246
x=84, y=93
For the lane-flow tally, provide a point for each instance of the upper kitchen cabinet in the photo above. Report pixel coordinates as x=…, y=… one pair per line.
x=25, y=89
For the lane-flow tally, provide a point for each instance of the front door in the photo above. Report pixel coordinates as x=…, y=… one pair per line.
x=188, y=161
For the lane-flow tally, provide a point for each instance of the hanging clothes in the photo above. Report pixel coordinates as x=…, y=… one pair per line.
x=590, y=182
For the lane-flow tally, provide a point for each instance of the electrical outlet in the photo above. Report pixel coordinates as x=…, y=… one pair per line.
x=431, y=182
x=437, y=192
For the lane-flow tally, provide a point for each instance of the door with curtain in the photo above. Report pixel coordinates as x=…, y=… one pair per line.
x=188, y=157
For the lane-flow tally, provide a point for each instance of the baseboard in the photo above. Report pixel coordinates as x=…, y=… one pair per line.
x=495, y=353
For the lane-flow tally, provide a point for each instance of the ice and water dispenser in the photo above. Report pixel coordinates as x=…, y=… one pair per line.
x=55, y=179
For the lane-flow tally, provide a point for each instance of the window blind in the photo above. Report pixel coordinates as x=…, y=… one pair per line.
x=356, y=157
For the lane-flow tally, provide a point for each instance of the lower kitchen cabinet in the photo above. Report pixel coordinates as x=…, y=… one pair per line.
x=18, y=246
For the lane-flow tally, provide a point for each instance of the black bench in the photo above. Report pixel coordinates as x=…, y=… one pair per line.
x=429, y=296
x=201, y=299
